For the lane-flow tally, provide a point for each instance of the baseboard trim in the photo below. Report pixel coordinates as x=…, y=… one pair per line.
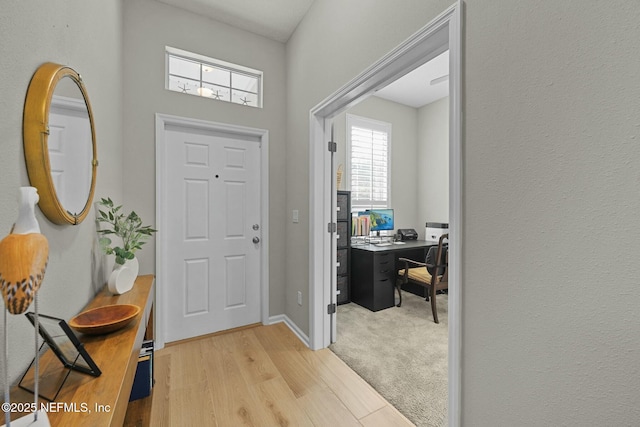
x=294, y=328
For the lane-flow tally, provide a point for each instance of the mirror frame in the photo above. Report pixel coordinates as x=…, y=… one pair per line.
x=36, y=148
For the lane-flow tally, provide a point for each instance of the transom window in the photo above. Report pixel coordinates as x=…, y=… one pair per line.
x=368, y=165
x=199, y=75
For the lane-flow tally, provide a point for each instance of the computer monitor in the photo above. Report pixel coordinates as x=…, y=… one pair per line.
x=381, y=219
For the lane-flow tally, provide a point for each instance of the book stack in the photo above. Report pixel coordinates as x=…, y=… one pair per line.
x=361, y=225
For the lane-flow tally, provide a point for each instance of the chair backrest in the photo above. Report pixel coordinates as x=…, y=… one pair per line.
x=437, y=259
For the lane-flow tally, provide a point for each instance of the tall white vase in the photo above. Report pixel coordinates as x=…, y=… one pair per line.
x=123, y=276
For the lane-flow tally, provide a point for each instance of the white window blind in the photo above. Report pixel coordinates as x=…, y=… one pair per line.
x=368, y=147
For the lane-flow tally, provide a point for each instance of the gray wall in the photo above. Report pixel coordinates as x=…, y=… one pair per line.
x=404, y=139
x=550, y=164
x=320, y=61
x=86, y=35
x=551, y=202
x=433, y=163
x=550, y=168
x=149, y=26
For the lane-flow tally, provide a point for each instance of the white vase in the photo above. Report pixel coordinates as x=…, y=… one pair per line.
x=123, y=276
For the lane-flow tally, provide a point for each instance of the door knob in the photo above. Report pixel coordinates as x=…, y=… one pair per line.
x=256, y=227
x=256, y=239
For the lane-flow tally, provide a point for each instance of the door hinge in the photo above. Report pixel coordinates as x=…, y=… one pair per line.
x=331, y=309
x=332, y=227
x=333, y=146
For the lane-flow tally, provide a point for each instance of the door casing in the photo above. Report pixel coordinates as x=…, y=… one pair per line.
x=443, y=31
x=262, y=135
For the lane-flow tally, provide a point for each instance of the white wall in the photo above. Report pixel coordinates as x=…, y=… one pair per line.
x=404, y=139
x=550, y=205
x=433, y=164
x=149, y=26
x=86, y=35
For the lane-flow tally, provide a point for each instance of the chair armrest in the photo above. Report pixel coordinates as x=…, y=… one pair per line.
x=407, y=261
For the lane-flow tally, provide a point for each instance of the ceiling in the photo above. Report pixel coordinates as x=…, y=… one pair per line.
x=277, y=20
x=418, y=88
x=274, y=19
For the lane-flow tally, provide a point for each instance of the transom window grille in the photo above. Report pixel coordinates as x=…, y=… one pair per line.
x=199, y=75
x=368, y=163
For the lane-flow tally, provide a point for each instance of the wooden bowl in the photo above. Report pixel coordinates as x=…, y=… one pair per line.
x=103, y=320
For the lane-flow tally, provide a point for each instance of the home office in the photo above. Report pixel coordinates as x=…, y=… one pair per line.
x=406, y=179
x=393, y=159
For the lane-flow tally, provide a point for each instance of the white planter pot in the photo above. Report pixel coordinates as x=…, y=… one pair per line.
x=123, y=276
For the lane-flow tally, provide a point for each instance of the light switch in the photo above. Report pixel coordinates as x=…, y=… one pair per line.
x=296, y=216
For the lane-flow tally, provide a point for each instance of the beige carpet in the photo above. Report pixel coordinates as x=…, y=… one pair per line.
x=402, y=353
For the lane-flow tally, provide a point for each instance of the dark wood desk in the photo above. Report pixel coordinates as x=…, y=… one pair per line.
x=374, y=268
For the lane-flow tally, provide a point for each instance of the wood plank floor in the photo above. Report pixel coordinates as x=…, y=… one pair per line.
x=263, y=376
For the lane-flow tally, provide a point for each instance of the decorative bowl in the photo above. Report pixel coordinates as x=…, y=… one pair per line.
x=103, y=320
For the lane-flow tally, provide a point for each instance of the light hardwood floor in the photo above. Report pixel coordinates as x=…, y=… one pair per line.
x=261, y=376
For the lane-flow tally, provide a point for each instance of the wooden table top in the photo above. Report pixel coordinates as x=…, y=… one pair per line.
x=85, y=400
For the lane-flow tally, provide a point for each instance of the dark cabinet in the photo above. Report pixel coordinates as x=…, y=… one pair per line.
x=373, y=279
x=344, y=246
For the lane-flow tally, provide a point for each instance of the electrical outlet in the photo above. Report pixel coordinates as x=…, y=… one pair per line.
x=296, y=216
x=299, y=298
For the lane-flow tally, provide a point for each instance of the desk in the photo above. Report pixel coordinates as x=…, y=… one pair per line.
x=374, y=269
x=116, y=354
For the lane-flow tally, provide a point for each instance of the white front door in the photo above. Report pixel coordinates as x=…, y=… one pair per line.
x=70, y=160
x=211, y=202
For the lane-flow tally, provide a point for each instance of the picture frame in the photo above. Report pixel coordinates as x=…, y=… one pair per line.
x=66, y=347
x=61, y=339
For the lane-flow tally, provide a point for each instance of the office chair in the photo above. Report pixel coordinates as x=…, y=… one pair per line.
x=433, y=274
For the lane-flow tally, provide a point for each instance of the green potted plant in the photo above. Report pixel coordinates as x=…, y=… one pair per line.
x=132, y=234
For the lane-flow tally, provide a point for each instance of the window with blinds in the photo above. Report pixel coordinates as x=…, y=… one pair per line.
x=368, y=166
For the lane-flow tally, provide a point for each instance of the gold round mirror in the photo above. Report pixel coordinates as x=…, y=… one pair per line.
x=60, y=143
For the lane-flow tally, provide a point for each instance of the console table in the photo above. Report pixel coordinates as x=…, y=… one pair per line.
x=374, y=269
x=116, y=354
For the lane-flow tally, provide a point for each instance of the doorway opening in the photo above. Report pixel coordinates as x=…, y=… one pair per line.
x=442, y=33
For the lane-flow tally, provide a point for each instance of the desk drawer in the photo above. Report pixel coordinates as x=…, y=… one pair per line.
x=383, y=258
x=384, y=266
x=386, y=273
x=383, y=283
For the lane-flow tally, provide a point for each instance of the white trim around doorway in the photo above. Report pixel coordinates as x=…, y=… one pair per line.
x=445, y=31
x=162, y=222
